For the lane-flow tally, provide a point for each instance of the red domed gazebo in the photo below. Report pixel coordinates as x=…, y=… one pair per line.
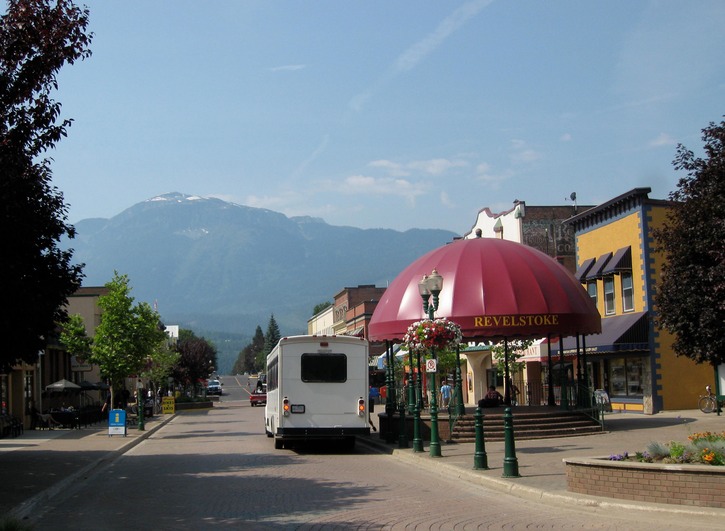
x=492, y=289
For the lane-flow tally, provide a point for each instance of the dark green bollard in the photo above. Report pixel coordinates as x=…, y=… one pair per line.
x=402, y=431
x=510, y=463
x=480, y=459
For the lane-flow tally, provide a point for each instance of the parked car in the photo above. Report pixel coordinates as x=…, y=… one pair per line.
x=214, y=387
x=258, y=397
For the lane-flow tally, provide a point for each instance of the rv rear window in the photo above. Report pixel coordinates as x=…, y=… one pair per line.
x=326, y=367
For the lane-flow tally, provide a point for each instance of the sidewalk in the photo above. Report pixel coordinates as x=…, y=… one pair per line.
x=37, y=465
x=540, y=461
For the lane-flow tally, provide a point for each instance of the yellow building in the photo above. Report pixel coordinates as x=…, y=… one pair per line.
x=632, y=359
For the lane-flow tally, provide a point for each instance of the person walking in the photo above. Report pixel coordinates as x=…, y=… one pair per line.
x=445, y=394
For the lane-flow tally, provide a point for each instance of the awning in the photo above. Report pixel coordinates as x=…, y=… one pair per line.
x=622, y=333
x=581, y=273
x=621, y=261
x=596, y=271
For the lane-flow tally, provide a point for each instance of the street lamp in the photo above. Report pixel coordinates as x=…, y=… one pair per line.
x=432, y=285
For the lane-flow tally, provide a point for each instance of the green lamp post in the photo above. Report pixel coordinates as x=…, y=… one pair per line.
x=432, y=285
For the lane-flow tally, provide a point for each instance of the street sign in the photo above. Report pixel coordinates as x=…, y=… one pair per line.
x=117, y=422
x=431, y=365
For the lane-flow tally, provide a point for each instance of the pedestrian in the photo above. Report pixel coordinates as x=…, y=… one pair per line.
x=445, y=394
x=492, y=399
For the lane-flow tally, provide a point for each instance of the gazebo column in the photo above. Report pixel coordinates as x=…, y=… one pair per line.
x=459, y=383
x=579, y=386
x=506, y=374
x=563, y=378
x=551, y=399
x=390, y=385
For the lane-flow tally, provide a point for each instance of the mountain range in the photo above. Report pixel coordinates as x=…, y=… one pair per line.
x=212, y=265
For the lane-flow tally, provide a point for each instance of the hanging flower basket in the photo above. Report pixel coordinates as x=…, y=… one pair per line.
x=440, y=334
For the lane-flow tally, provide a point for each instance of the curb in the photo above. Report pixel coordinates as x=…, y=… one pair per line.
x=25, y=509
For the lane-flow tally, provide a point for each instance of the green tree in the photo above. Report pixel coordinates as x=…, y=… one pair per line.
x=321, y=306
x=197, y=360
x=271, y=338
x=516, y=349
x=127, y=336
x=247, y=358
x=37, y=38
x=161, y=364
x=689, y=298
x=75, y=339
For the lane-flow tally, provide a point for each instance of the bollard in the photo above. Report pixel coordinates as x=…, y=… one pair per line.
x=480, y=459
x=402, y=431
x=510, y=463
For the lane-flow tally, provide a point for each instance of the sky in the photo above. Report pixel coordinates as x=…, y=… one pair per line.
x=379, y=114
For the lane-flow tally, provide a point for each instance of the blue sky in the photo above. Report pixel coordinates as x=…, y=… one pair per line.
x=379, y=114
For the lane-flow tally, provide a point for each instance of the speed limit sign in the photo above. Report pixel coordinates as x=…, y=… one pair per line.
x=431, y=365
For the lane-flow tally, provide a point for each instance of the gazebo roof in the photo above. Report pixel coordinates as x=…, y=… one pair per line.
x=492, y=288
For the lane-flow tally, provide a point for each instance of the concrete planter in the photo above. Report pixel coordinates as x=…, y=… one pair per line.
x=692, y=485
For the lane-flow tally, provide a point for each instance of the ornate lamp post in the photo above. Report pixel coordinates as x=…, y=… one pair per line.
x=432, y=285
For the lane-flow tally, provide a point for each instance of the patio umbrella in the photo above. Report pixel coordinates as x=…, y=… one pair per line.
x=492, y=288
x=62, y=385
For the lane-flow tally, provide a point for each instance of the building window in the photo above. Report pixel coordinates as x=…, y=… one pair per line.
x=627, y=292
x=609, y=295
x=626, y=377
x=592, y=290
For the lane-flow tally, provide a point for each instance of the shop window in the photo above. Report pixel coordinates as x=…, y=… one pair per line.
x=625, y=377
x=592, y=291
x=627, y=293
x=609, y=295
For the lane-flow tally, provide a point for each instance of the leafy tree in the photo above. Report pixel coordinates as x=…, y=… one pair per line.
x=247, y=360
x=271, y=338
x=197, y=360
x=161, y=364
x=689, y=298
x=37, y=38
x=127, y=335
x=73, y=336
x=128, y=339
x=516, y=349
x=319, y=307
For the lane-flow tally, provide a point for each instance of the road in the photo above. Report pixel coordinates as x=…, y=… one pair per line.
x=217, y=469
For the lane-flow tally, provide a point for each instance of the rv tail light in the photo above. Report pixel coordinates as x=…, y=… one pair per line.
x=285, y=406
x=361, y=407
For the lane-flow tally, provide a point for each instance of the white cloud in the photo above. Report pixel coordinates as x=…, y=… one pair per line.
x=566, y=137
x=393, y=168
x=287, y=68
x=522, y=153
x=416, y=53
x=662, y=140
x=373, y=186
x=446, y=200
x=484, y=174
x=449, y=25
x=429, y=167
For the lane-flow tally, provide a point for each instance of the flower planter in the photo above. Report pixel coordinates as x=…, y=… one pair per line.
x=686, y=484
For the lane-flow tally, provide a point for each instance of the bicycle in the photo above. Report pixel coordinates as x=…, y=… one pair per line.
x=709, y=402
